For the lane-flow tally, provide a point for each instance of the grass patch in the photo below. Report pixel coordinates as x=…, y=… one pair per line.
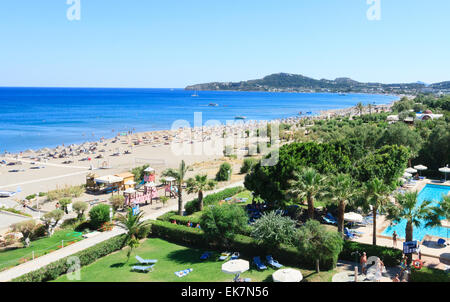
x=11, y=258
x=171, y=258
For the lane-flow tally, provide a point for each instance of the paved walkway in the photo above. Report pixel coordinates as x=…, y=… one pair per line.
x=42, y=261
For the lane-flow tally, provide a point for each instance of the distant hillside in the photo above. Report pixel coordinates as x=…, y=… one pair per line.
x=285, y=82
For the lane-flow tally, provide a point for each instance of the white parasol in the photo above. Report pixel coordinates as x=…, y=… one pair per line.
x=287, y=275
x=353, y=217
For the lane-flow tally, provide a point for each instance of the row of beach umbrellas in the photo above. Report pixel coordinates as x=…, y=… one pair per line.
x=239, y=266
x=410, y=171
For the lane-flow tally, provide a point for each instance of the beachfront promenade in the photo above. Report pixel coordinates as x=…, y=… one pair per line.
x=42, y=261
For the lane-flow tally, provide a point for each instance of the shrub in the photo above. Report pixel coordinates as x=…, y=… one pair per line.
x=30, y=197
x=222, y=223
x=26, y=228
x=191, y=206
x=51, y=220
x=182, y=220
x=389, y=256
x=426, y=274
x=139, y=173
x=117, y=201
x=247, y=165
x=99, y=215
x=224, y=172
x=143, y=231
x=272, y=229
x=38, y=232
x=163, y=200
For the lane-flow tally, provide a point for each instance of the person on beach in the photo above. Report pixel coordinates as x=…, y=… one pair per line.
x=394, y=239
x=363, y=262
x=396, y=278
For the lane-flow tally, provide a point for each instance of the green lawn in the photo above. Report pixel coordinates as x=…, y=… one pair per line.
x=171, y=258
x=40, y=247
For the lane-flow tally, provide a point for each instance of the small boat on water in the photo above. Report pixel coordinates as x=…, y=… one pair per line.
x=213, y=104
x=240, y=117
x=195, y=94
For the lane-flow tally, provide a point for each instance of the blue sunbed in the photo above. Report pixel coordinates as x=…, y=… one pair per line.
x=258, y=263
x=273, y=262
x=348, y=234
x=144, y=269
x=441, y=242
x=235, y=256
x=205, y=255
x=329, y=221
x=146, y=261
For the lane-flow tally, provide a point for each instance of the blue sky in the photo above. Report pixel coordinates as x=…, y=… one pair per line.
x=174, y=43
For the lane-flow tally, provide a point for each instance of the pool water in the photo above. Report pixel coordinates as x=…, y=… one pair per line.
x=433, y=193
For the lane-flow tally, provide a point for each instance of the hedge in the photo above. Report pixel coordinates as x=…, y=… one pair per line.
x=192, y=206
x=390, y=256
x=60, y=267
x=287, y=255
x=183, y=220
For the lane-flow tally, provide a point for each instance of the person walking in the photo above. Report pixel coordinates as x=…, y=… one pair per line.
x=363, y=262
x=394, y=239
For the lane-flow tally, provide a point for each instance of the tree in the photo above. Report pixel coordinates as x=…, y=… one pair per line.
x=132, y=224
x=80, y=207
x=51, y=220
x=224, y=172
x=402, y=135
x=222, y=223
x=377, y=196
x=341, y=190
x=272, y=230
x=64, y=203
x=307, y=184
x=270, y=182
x=117, y=201
x=318, y=243
x=179, y=175
x=26, y=229
x=406, y=208
x=99, y=215
x=386, y=163
x=199, y=184
x=360, y=108
x=443, y=209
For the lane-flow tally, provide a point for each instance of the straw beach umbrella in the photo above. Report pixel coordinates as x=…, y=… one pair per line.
x=235, y=267
x=445, y=170
x=420, y=168
x=287, y=275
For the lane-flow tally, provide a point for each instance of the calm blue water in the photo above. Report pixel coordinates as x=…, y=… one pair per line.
x=47, y=117
x=432, y=193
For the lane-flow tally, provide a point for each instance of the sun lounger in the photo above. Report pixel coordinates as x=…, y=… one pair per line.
x=258, y=263
x=273, y=262
x=329, y=221
x=205, y=255
x=224, y=256
x=184, y=272
x=441, y=242
x=146, y=261
x=144, y=269
x=348, y=234
x=354, y=232
x=235, y=256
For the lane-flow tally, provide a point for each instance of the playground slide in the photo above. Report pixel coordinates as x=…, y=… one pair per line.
x=138, y=186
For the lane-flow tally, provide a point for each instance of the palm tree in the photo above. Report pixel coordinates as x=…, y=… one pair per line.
x=360, y=108
x=308, y=183
x=377, y=196
x=341, y=191
x=179, y=175
x=199, y=184
x=406, y=208
x=132, y=224
x=369, y=106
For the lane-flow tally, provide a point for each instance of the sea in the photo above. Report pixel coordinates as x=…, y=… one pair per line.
x=33, y=118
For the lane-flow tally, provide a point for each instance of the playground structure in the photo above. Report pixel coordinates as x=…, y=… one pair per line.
x=144, y=192
x=170, y=186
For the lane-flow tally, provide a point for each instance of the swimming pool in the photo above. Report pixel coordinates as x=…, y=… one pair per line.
x=432, y=193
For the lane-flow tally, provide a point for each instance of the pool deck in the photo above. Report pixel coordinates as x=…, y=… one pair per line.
x=433, y=255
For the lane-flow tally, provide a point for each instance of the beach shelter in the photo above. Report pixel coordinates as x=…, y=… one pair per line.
x=108, y=179
x=287, y=275
x=235, y=267
x=445, y=170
